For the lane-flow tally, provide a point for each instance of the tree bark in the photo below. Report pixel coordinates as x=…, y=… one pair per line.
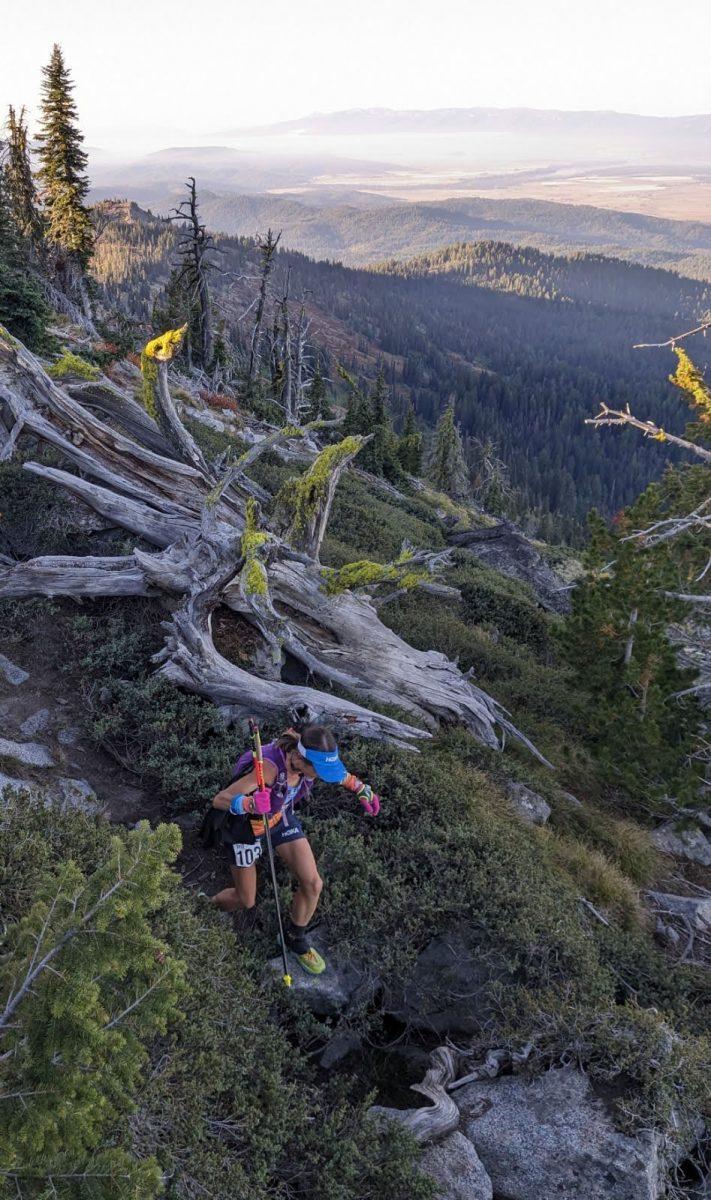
x=442, y=1116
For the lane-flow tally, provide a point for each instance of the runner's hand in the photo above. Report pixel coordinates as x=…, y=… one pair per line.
x=369, y=800
x=261, y=802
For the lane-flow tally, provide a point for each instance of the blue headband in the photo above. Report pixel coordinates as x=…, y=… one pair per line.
x=326, y=763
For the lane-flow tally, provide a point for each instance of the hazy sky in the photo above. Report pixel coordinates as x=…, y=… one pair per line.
x=151, y=72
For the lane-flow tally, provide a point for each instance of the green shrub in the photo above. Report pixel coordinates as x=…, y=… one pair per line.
x=18, y=618
x=364, y=524
x=84, y=984
x=507, y=604
x=36, y=517
x=176, y=744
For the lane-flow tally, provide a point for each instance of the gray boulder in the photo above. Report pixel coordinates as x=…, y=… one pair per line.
x=552, y=1139
x=456, y=1167
x=509, y=551
x=528, y=804
x=32, y=754
x=339, y=1047
x=13, y=674
x=447, y=993
x=691, y=843
x=77, y=793
x=8, y=783
x=36, y=723
x=694, y=910
x=326, y=995
x=69, y=736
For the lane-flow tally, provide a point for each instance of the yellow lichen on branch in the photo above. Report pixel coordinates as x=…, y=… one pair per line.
x=160, y=349
x=302, y=498
x=689, y=380
x=166, y=346
x=254, y=573
x=364, y=574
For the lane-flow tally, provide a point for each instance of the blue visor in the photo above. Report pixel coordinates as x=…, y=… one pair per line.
x=325, y=763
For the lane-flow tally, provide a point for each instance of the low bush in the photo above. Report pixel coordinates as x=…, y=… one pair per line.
x=37, y=518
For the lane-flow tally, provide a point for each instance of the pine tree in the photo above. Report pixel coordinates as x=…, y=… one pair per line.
x=84, y=983
x=319, y=408
x=359, y=412
x=63, y=180
x=20, y=184
x=350, y=420
x=447, y=469
x=380, y=456
x=616, y=640
x=409, y=448
x=374, y=421
x=22, y=306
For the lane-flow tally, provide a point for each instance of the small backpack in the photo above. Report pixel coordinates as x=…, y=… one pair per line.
x=218, y=824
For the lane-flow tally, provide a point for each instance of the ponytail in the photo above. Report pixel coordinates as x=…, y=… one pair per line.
x=313, y=737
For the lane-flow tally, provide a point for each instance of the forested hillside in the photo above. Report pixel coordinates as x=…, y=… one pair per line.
x=527, y=349
x=364, y=233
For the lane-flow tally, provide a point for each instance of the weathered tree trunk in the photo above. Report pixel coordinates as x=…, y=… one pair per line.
x=442, y=1116
x=268, y=249
x=195, y=247
x=313, y=495
x=197, y=525
x=154, y=365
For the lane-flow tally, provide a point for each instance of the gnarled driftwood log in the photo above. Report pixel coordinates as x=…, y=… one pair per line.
x=197, y=523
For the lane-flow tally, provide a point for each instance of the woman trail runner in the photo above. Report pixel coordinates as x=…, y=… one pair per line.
x=291, y=765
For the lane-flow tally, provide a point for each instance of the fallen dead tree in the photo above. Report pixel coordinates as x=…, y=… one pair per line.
x=209, y=550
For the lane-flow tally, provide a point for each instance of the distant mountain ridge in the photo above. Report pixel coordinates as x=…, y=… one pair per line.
x=488, y=120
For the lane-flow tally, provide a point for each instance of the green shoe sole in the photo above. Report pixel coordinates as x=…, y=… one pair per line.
x=311, y=962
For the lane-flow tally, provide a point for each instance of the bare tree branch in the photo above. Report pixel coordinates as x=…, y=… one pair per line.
x=673, y=340
x=612, y=416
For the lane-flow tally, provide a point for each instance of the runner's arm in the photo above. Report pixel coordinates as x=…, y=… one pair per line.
x=244, y=786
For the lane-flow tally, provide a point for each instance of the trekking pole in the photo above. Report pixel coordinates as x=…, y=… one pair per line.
x=259, y=771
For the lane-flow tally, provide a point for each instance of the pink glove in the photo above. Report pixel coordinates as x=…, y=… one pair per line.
x=262, y=802
x=369, y=799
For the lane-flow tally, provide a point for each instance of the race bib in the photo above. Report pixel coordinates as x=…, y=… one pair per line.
x=246, y=856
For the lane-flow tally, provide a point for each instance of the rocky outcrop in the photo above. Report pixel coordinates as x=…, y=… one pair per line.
x=30, y=754
x=11, y=672
x=60, y=792
x=509, y=551
x=551, y=1139
x=326, y=995
x=696, y=910
x=447, y=993
x=457, y=1169
x=528, y=804
x=685, y=842
x=35, y=723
